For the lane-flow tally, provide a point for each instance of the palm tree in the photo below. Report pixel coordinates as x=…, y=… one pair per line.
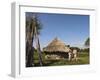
x=33, y=27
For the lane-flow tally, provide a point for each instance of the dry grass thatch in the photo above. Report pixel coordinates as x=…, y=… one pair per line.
x=56, y=46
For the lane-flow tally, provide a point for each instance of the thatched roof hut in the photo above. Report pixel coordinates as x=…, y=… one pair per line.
x=56, y=46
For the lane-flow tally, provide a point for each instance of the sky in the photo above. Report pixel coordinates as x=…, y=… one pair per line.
x=72, y=29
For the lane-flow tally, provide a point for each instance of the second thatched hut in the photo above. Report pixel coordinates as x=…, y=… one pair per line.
x=56, y=50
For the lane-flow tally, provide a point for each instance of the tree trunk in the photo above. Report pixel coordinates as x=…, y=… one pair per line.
x=29, y=47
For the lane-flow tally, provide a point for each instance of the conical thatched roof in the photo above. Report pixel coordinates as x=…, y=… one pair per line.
x=56, y=46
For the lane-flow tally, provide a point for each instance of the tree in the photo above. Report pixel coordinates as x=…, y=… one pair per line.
x=33, y=27
x=87, y=42
x=72, y=48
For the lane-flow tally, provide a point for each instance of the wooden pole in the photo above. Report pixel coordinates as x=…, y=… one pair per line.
x=38, y=47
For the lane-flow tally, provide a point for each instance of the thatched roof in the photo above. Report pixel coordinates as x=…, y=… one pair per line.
x=56, y=46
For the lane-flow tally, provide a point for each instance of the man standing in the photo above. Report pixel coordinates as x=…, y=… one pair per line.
x=75, y=54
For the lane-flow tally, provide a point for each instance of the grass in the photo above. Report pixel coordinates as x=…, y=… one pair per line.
x=82, y=59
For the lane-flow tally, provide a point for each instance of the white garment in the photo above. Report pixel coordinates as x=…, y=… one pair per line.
x=69, y=56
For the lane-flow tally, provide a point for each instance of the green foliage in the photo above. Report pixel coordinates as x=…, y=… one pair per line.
x=67, y=45
x=82, y=59
x=36, y=58
x=32, y=22
x=87, y=42
x=75, y=48
x=85, y=50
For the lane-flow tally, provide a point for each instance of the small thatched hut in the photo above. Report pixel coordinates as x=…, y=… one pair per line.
x=56, y=50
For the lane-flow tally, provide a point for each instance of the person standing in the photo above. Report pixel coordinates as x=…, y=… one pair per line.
x=75, y=54
x=70, y=55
